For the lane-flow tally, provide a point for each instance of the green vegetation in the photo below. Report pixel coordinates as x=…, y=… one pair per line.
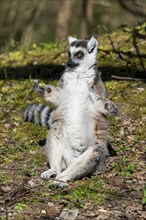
x=19, y=207
x=121, y=53
x=144, y=196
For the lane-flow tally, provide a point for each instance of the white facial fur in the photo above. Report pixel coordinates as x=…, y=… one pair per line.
x=90, y=53
x=71, y=39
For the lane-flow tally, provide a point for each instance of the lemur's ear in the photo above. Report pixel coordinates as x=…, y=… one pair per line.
x=71, y=39
x=92, y=44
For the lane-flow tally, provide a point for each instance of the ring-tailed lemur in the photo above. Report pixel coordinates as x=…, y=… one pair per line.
x=76, y=145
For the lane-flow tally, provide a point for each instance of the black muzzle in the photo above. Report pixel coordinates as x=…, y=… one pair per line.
x=71, y=64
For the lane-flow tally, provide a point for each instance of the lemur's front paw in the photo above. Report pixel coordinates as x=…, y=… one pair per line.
x=41, y=87
x=47, y=89
x=111, y=108
x=38, y=87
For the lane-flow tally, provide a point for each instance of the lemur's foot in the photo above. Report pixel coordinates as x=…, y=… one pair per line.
x=48, y=173
x=111, y=108
x=58, y=184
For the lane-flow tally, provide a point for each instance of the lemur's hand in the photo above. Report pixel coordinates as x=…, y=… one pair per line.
x=38, y=87
x=41, y=87
x=111, y=108
x=47, y=89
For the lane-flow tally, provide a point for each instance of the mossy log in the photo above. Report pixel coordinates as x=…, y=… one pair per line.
x=122, y=53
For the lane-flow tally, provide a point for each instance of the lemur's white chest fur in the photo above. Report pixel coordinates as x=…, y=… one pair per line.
x=75, y=95
x=76, y=106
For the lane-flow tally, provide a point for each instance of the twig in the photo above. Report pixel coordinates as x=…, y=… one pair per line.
x=14, y=191
x=127, y=78
x=34, y=214
x=35, y=186
x=4, y=168
x=22, y=212
x=6, y=210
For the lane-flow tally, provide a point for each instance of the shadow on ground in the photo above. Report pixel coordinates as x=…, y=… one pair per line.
x=49, y=71
x=52, y=71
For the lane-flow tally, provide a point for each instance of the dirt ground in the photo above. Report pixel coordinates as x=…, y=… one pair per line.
x=116, y=194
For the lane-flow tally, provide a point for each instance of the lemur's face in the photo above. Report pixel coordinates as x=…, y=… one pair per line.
x=82, y=53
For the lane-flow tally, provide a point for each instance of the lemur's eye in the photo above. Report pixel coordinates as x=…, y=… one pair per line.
x=69, y=53
x=79, y=54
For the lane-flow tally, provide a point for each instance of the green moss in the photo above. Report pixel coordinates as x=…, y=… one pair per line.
x=125, y=167
x=93, y=190
x=121, y=53
x=20, y=207
x=6, y=178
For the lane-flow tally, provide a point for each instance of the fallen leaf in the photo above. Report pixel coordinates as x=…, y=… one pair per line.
x=68, y=214
x=5, y=189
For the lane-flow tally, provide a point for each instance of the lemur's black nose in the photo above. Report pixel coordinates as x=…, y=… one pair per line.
x=70, y=63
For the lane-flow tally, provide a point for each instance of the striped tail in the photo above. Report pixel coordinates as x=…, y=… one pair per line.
x=38, y=114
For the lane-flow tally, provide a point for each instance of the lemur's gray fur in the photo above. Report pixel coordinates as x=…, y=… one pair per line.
x=76, y=145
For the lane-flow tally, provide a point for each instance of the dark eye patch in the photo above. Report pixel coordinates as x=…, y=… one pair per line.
x=79, y=54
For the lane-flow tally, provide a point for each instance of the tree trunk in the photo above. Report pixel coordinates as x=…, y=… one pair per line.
x=64, y=15
x=135, y=7
x=87, y=14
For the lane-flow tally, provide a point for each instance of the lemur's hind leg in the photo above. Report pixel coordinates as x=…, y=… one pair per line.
x=54, y=152
x=86, y=164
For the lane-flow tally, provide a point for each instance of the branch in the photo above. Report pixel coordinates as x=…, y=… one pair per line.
x=127, y=78
x=138, y=10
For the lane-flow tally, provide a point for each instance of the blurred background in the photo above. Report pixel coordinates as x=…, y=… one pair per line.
x=35, y=21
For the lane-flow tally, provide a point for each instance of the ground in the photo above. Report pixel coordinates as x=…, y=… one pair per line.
x=120, y=192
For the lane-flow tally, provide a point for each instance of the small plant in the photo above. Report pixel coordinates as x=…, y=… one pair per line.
x=46, y=46
x=124, y=167
x=20, y=207
x=144, y=197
